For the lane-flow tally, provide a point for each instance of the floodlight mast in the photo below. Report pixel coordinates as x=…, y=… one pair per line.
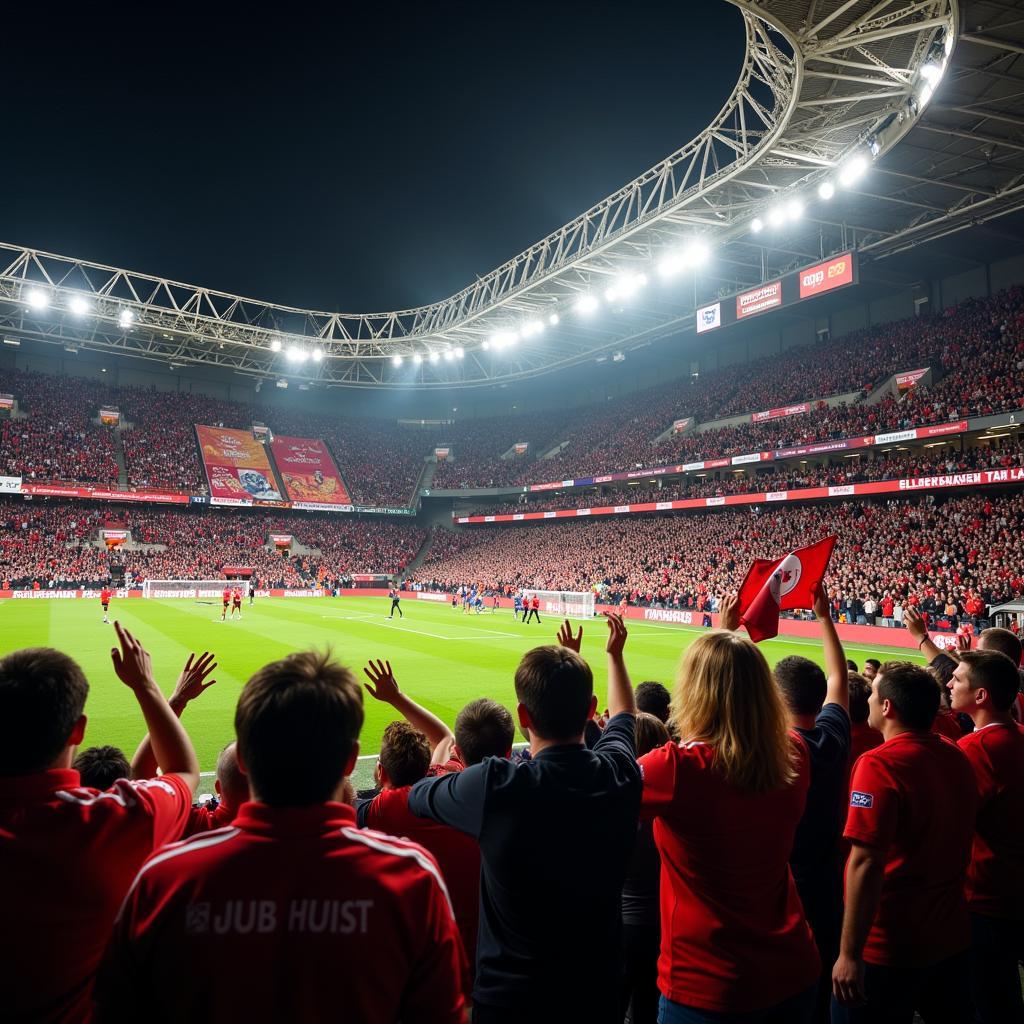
x=821, y=84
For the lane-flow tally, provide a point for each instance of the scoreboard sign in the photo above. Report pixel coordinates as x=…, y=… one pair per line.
x=759, y=300
x=833, y=273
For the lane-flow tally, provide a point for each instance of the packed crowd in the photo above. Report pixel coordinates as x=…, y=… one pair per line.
x=57, y=545
x=846, y=847
x=963, y=549
x=976, y=350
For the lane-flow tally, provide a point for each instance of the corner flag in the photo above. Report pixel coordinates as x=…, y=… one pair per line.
x=774, y=586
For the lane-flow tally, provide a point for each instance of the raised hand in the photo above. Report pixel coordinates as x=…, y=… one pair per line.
x=963, y=641
x=729, y=612
x=132, y=662
x=566, y=639
x=616, y=634
x=382, y=686
x=821, y=607
x=192, y=680
x=914, y=621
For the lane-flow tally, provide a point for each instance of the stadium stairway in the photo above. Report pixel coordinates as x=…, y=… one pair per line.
x=426, y=478
x=122, y=468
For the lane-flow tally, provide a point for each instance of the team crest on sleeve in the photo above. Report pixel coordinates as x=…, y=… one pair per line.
x=858, y=799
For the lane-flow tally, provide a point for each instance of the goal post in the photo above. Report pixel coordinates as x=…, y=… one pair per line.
x=196, y=590
x=567, y=604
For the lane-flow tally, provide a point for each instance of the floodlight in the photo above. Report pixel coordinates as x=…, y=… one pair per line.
x=435, y=357
x=78, y=305
x=587, y=304
x=794, y=209
x=396, y=360
x=776, y=216
x=459, y=352
x=826, y=190
x=125, y=318
x=417, y=359
x=853, y=170
x=37, y=298
x=275, y=345
x=757, y=225
x=318, y=354
x=553, y=319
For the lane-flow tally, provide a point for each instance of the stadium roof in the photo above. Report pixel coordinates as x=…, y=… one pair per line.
x=828, y=88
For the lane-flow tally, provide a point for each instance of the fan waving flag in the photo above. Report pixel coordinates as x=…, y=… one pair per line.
x=774, y=586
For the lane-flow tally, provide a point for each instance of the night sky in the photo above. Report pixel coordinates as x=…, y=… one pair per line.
x=370, y=158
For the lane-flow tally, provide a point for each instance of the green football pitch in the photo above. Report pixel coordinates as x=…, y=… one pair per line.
x=442, y=658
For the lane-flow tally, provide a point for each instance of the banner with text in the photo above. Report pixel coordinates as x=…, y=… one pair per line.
x=237, y=468
x=775, y=414
x=910, y=378
x=310, y=476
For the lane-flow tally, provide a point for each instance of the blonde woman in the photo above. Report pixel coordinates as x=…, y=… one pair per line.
x=726, y=802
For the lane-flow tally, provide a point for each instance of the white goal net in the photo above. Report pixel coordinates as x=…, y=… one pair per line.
x=566, y=604
x=197, y=590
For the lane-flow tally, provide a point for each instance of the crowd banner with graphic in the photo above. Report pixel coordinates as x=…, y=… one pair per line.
x=910, y=378
x=237, y=468
x=520, y=447
x=310, y=476
x=6, y=401
x=109, y=416
x=441, y=454
x=281, y=540
x=678, y=426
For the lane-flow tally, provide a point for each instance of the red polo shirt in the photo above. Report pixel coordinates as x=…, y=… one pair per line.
x=733, y=938
x=319, y=918
x=996, y=753
x=67, y=857
x=202, y=819
x=457, y=854
x=915, y=798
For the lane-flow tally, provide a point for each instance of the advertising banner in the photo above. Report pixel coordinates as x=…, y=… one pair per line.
x=10, y=484
x=281, y=540
x=237, y=467
x=310, y=476
x=775, y=414
x=823, y=277
x=102, y=494
x=910, y=378
x=680, y=425
x=709, y=317
x=759, y=300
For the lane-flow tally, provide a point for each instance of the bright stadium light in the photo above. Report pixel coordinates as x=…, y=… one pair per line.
x=853, y=170
x=125, y=318
x=757, y=225
x=671, y=263
x=396, y=360
x=78, y=305
x=826, y=190
x=531, y=328
x=553, y=319
x=625, y=286
x=435, y=357
x=776, y=216
x=587, y=304
x=932, y=72
x=503, y=339
x=485, y=345
x=924, y=94
x=417, y=359
x=794, y=209
x=37, y=298
x=459, y=351
x=296, y=355
x=696, y=254
x=449, y=355
x=318, y=354
x=275, y=345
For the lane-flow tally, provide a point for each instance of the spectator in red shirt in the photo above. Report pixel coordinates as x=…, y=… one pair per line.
x=984, y=686
x=100, y=767
x=68, y=853
x=232, y=789
x=292, y=885
x=863, y=736
x=726, y=802
x=911, y=821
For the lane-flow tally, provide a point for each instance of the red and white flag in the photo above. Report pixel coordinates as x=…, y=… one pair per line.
x=782, y=584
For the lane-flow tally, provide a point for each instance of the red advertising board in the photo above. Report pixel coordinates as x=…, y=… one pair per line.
x=775, y=414
x=823, y=277
x=310, y=476
x=237, y=467
x=759, y=300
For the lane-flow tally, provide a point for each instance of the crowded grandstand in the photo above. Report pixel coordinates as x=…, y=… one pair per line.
x=633, y=636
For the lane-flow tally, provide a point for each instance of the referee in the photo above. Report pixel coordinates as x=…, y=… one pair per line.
x=396, y=603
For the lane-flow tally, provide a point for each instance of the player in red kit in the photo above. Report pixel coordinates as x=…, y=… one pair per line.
x=236, y=603
x=292, y=896
x=105, y=596
x=226, y=596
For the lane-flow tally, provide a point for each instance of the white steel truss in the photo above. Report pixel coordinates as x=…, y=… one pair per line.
x=821, y=79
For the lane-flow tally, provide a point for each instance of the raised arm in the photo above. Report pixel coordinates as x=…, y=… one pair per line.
x=916, y=627
x=171, y=746
x=384, y=687
x=620, y=689
x=838, y=688
x=191, y=683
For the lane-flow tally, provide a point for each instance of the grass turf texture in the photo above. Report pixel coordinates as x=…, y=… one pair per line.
x=441, y=658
